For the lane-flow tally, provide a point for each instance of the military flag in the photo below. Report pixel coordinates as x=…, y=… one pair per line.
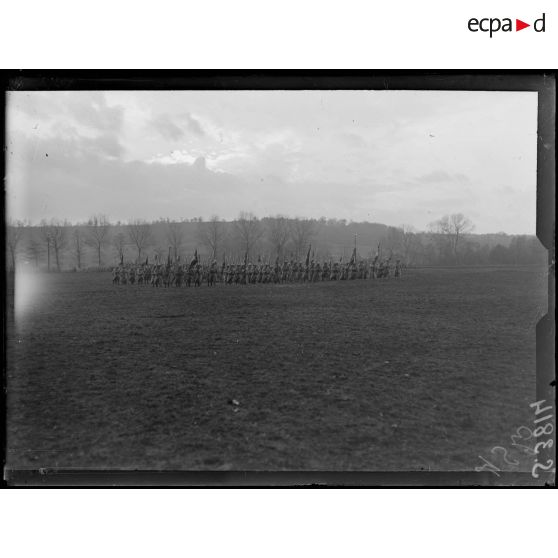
x=195, y=260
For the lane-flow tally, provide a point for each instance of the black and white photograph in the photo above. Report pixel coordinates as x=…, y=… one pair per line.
x=278, y=280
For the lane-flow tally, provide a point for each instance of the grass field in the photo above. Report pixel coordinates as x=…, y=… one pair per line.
x=425, y=372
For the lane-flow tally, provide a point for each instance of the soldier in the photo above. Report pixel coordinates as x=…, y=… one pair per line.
x=397, y=268
x=317, y=273
x=197, y=275
x=123, y=275
x=212, y=276
x=325, y=272
x=294, y=273
x=384, y=269
x=276, y=272
x=381, y=269
x=115, y=276
x=334, y=274
x=147, y=275
x=299, y=272
x=158, y=276
x=178, y=275
x=305, y=273
x=285, y=270
x=361, y=270
x=374, y=268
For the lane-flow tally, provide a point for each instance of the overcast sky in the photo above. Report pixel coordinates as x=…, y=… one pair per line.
x=393, y=157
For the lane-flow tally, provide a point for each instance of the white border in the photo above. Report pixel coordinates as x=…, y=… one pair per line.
x=273, y=34
x=276, y=523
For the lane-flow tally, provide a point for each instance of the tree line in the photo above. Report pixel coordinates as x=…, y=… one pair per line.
x=57, y=245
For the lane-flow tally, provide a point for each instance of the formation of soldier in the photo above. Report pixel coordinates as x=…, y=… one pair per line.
x=177, y=274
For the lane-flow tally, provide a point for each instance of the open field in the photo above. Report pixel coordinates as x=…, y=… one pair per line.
x=425, y=372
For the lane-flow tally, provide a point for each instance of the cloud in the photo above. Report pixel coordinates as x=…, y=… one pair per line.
x=174, y=128
x=91, y=109
x=395, y=155
x=101, y=146
x=192, y=124
x=442, y=176
x=83, y=176
x=166, y=127
x=199, y=164
x=104, y=145
x=353, y=140
x=86, y=111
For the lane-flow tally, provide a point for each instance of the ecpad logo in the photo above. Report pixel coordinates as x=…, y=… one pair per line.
x=493, y=25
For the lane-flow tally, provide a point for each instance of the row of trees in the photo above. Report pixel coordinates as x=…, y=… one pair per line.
x=454, y=247
x=449, y=241
x=55, y=239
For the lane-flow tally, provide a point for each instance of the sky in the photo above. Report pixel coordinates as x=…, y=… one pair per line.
x=392, y=157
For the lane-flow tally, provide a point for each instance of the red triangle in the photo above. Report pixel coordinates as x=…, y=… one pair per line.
x=519, y=25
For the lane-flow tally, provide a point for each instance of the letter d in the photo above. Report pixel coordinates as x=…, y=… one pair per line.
x=535, y=25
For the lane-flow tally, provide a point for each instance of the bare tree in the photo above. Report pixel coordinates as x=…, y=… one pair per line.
x=34, y=250
x=45, y=237
x=452, y=228
x=460, y=225
x=139, y=232
x=211, y=234
x=412, y=245
x=302, y=232
x=14, y=234
x=98, y=234
x=160, y=254
x=279, y=234
x=54, y=233
x=394, y=240
x=175, y=236
x=78, y=241
x=249, y=231
x=119, y=245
